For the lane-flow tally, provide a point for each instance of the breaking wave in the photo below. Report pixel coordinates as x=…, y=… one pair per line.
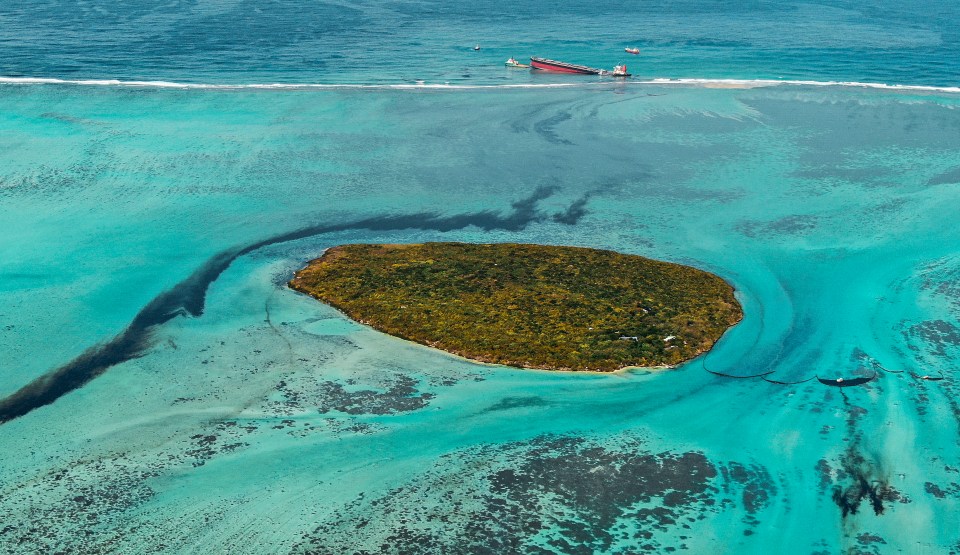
x=694, y=82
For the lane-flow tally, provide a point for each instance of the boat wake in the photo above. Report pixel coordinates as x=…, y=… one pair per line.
x=659, y=81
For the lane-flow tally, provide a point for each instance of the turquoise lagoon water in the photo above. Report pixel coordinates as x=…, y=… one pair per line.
x=270, y=423
x=146, y=233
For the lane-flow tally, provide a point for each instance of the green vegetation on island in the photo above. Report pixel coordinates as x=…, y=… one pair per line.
x=531, y=306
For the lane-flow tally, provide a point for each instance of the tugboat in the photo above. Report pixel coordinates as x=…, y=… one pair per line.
x=632, y=50
x=514, y=63
x=620, y=71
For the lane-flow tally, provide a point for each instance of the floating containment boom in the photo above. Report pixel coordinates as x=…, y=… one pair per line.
x=846, y=382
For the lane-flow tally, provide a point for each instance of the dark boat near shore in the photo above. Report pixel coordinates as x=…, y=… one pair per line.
x=545, y=64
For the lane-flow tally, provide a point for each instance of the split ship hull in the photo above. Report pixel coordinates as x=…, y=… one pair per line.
x=563, y=67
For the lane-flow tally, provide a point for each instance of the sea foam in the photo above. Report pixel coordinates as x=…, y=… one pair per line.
x=684, y=81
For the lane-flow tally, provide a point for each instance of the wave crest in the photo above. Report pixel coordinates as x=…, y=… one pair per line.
x=695, y=82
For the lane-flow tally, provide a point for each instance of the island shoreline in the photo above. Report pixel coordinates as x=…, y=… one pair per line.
x=331, y=254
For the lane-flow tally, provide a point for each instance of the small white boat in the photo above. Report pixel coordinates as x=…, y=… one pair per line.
x=514, y=63
x=477, y=47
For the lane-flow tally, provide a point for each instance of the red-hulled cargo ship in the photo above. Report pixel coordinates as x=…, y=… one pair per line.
x=563, y=67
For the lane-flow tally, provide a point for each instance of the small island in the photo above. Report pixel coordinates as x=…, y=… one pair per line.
x=529, y=306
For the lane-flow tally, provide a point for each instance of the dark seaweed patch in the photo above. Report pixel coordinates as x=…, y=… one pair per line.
x=95, y=495
x=934, y=490
x=938, y=334
x=758, y=488
x=946, y=178
x=793, y=225
x=391, y=394
x=797, y=224
x=867, y=544
x=953, y=490
x=93, y=504
x=508, y=403
x=188, y=297
x=758, y=485
x=867, y=539
x=401, y=396
x=824, y=474
x=950, y=289
x=551, y=494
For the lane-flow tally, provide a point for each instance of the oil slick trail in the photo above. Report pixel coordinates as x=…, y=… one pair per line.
x=187, y=298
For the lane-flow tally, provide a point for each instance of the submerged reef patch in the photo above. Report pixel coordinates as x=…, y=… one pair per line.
x=939, y=335
x=948, y=177
x=797, y=224
x=84, y=504
x=399, y=395
x=551, y=494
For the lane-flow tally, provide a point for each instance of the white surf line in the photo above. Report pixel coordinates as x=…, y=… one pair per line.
x=747, y=83
x=700, y=82
x=292, y=86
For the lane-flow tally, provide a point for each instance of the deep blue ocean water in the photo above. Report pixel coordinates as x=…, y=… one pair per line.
x=896, y=42
x=162, y=391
